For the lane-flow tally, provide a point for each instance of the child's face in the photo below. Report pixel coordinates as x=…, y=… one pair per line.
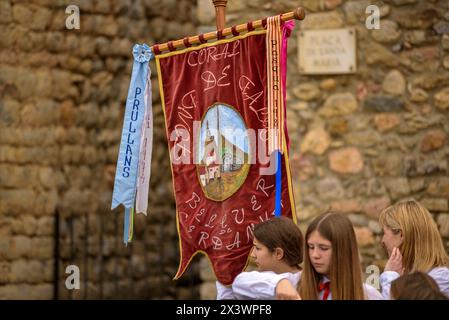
x=264, y=259
x=320, y=252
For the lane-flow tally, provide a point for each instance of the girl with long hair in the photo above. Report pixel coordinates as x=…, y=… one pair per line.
x=413, y=243
x=332, y=267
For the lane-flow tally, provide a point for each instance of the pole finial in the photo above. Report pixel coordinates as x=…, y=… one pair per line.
x=220, y=3
x=220, y=13
x=299, y=13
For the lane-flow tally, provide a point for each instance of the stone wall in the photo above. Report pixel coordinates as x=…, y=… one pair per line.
x=62, y=96
x=361, y=142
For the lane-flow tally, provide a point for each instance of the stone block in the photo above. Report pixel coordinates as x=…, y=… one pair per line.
x=417, y=184
x=6, y=15
x=346, y=206
x=355, y=10
x=365, y=138
x=376, y=54
x=26, y=292
x=338, y=126
x=22, y=14
x=323, y=20
x=339, y=104
x=436, y=204
x=439, y=187
x=308, y=212
x=42, y=248
x=330, y=188
x=441, y=99
x=46, y=202
x=41, y=19
x=386, y=121
x=9, y=115
x=397, y=187
x=24, y=225
x=27, y=271
x=15, y=247
x=316, y=141
x=384, y=104
x=71, y=154
x=208, y=291
x=418, y=95
x=328, y=84
x=206, y=11
x=423, y=15
x=16, y=201
x=388, y=32
x=45, y=226
x=205, y=270
x=346, y=160
x=433, y=140
x=443, y=223
x=18, y=177
x=61, y=84
x=388, y=165
x=373, y=207
x=307, y=91
x=364, y=236
x=5, y=271
x=394, y=83
x=358, y=220
x=41, y=113
x=375, y=227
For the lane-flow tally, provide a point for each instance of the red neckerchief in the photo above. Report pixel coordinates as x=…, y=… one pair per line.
x=326, y=287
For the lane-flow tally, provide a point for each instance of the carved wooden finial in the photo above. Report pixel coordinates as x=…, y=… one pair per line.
x=220, y=13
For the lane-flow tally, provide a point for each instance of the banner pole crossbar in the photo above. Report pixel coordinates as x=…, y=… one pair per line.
x=298, y=14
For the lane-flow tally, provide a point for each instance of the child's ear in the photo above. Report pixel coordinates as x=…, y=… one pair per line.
x=279, y=253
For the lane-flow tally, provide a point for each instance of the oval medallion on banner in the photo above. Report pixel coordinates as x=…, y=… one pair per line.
x=223, y=152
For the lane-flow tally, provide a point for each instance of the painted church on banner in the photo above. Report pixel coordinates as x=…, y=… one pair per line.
x=223, y=155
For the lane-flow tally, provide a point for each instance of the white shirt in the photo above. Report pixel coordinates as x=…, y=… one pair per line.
x=372, y=293
x=439, y=274
x=255, y=285
x=262, y=285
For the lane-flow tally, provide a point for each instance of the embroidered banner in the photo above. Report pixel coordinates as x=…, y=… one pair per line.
x=215, y=104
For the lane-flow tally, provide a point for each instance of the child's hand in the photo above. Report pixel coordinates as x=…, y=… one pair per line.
x=394, y=263
x=285, y=291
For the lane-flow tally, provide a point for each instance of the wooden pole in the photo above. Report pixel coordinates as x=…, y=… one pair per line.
x=220, y=13
x=298, y=14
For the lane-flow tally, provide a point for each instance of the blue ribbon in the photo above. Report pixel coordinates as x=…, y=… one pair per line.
x=128, y=157
x=277, y=201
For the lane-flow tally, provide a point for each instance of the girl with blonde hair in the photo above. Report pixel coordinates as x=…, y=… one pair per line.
x=332, y=267
x=413, y=243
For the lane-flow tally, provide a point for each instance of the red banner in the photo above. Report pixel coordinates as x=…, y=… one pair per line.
x=215, y=103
